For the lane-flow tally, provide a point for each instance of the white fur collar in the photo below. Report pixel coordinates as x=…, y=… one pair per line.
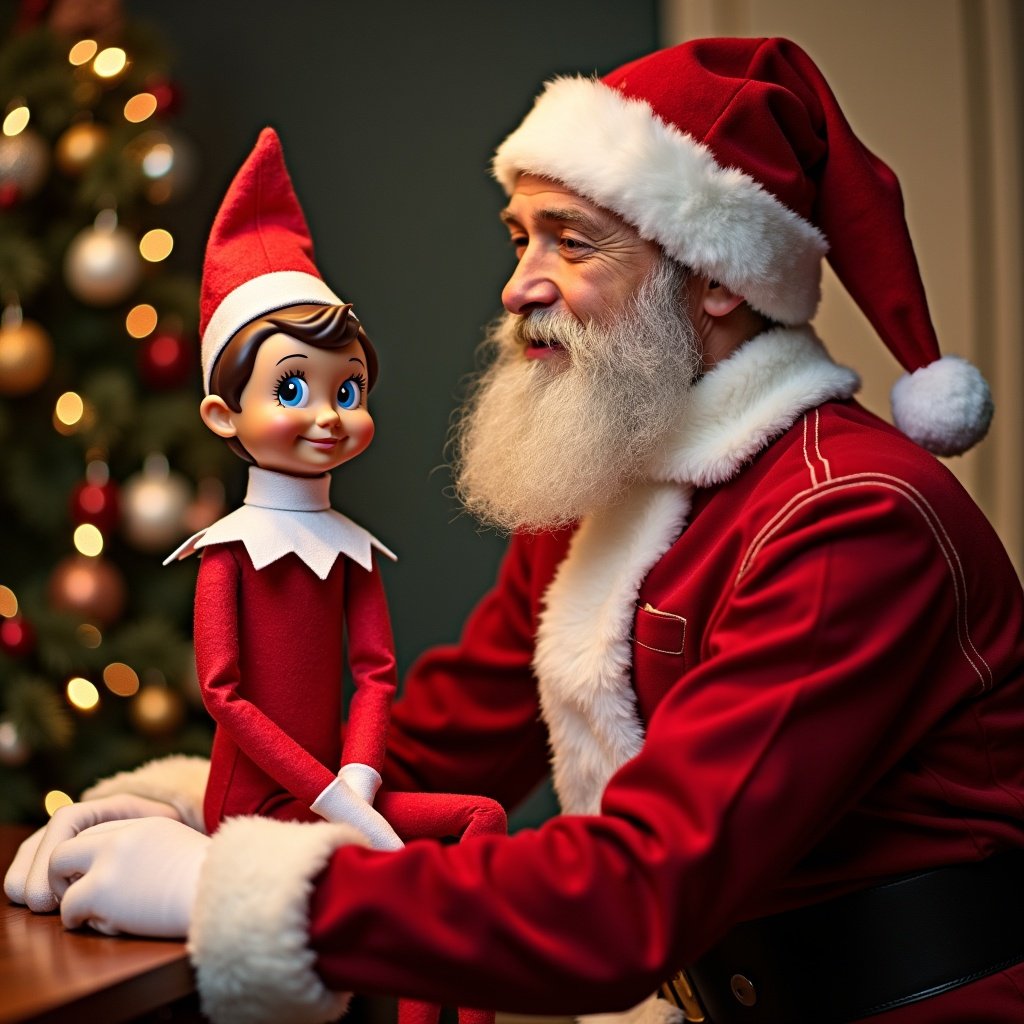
x=747, y=401
x=284, y=515
x=582, y=656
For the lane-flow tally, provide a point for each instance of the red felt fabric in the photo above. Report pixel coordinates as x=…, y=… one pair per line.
x=764, y=107
x=848, y=706
x=269, y=660
x=259, y=229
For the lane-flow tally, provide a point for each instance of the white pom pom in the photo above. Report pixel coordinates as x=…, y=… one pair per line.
x=945, y=407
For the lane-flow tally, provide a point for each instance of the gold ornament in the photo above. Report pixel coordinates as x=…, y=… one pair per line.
x=157, y=710
x=102, y=265
x=79, y=146
x=26, y=356
x=153, y=505
x=24, y=161
x=90, y=588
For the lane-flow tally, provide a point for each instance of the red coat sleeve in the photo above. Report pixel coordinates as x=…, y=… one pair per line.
x=371, y=653
x=468, y=720
x=837, y=649
x=216, y=637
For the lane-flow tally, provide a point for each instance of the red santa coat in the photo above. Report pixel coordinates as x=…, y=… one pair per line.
x=790, y=665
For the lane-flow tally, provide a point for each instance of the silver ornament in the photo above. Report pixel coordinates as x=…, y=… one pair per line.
x=153, y=506
x=102, y=265
x=24, y=162
x=14, y=751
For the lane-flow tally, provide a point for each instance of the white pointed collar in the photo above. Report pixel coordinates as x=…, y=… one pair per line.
x=284, y=515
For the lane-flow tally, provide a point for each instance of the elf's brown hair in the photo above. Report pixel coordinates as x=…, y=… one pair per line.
x=327, y=327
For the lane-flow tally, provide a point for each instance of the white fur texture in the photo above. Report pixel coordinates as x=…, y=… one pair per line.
x=719, y=221
x=945, y=407
x=176, y=780
x=583, y=652
x=746, y=401
x=249, y=940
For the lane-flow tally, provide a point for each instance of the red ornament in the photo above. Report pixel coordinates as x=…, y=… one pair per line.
x=165, y=361
x=166, y=94
x=96, y=503
x=92, y=589
x=10, y=195
x=17, y=637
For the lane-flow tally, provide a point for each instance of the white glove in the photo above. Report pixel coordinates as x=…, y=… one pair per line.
x=363, y=780
x=27, y=879
x=138, y=877
x=339, y=803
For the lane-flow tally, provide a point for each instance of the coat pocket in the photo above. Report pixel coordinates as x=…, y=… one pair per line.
x=658, y=631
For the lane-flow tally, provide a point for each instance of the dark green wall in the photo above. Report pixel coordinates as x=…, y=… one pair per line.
x=389, y=113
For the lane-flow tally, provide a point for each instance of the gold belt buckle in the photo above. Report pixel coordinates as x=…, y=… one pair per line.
x=680, y=991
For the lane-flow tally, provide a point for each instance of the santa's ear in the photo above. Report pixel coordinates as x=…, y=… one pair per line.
x=719, y=300
x=218, y=416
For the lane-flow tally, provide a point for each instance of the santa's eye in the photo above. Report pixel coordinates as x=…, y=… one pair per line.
x=350, y=394
x=292, y=391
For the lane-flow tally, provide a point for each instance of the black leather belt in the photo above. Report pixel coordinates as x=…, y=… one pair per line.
x=863, y=953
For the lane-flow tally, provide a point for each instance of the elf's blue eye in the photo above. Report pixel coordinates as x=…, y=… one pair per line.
x=292, y=391
x=350, y=394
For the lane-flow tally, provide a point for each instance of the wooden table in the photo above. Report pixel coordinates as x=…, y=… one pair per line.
x=50, y=975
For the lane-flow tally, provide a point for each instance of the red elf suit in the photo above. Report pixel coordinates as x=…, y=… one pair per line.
x=286, y=583
x=785, y=671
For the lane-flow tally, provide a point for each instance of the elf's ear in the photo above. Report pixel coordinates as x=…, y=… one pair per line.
x=218, y=416
x=719, y=300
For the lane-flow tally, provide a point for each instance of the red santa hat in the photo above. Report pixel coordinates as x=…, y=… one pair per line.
x=734, y=156
x=259, y=256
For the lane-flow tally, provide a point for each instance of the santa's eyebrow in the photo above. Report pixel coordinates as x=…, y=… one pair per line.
x=565, y=214
x=356, y=359
x=294, y=355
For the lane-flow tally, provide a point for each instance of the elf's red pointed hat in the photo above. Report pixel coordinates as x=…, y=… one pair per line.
x=259, y=256
x=734, y=156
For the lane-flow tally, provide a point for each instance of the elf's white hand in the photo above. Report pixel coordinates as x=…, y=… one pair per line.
x=27, y=878
x=136, y=877
x=363, y=780
x=340, y=803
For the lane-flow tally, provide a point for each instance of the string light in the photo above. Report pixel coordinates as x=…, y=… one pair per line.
x=54, y=800
x=16, y=120
x=88, y=540
x=121, y=679
x=158, y=161
x=8, y=603
x=139, y=107
x=141, y=320
x=89, y=636
x=69, y=409
x=110, y=62
x=82, y=694
x=82, y=52
x=156, y=245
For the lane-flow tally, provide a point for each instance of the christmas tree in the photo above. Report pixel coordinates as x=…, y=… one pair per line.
x=104, y=463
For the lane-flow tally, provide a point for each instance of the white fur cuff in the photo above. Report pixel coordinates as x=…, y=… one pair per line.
x=176, y=780
x=249, y=939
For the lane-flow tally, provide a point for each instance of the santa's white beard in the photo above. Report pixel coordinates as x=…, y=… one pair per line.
x=543, y=442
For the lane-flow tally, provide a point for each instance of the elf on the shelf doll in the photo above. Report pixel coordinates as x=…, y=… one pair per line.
x=287, y=367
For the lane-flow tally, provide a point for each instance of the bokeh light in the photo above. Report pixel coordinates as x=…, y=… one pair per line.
x=110, y=62
x=16, y=121
x=121, y=679
x=89, y=636
x=139, y=107
x=141, y=320
x=156, y=245
x=69, y=408
x=82, y=694
x=54, y=800
x=82, y=52
x=88, y=540
x=8, y=603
